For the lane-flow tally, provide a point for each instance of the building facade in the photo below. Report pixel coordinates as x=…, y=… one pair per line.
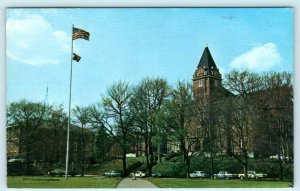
x=228, y=125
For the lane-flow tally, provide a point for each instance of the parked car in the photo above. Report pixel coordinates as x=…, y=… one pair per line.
x=253, y=175
x=16, y=160
x=57, y=172
x=60, y=172
x=138, y=174
x=156, y=174
x=281, y=157
x=113, y=173
x=225, y=175
x=199, y=174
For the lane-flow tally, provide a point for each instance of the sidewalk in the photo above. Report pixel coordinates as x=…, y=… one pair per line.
x=138, y=183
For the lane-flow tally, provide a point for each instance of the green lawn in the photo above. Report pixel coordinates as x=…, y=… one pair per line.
x=90, y=182
x=60, y=182
x=207, y=183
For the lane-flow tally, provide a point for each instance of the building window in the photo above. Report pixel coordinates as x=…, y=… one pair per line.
x=201, y=83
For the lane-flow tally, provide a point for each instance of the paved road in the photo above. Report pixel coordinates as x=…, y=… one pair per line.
x=138, y=183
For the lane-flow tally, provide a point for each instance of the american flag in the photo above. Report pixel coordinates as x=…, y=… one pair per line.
x=79, y=33
x=76, y=57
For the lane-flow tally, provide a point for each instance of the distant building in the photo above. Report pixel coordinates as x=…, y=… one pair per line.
x=49, y=144
x=208, y=89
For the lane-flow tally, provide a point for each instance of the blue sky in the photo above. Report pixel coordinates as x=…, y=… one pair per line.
x=132, y=43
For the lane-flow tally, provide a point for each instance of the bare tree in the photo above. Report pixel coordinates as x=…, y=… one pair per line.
x=276, y=105
x=242, y=119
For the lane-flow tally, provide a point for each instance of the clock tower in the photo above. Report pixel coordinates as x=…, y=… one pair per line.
x=207, y=78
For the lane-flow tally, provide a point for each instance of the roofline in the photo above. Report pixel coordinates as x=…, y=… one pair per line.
x=207, y=76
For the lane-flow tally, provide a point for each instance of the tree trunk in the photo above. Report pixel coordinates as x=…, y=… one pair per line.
x=27, y=152
x=151, y=157
x=280, y=165
x=188, y=166
x=229, y=141
x=211, y=155
x=212, y=166
x=82, y=165
x=159, y=151
x=147, y=154
x=50, y=165
x=281, y=169
x=82, y=151
x=246, y=167
x=280, y=151
x=124, y=163
x=182, y=149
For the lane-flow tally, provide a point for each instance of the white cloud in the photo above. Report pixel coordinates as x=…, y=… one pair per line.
x=32, y=40
x=260, y=58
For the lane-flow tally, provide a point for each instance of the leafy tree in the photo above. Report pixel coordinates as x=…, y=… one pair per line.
x=102, y=144
x=146, y=103
x=207, y=118
x=181, y=110
x=160, y=133
x=81, y=115
x=114, y=115
x=25, y=118
x=57, y=123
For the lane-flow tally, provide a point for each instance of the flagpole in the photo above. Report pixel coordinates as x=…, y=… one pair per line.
x=69, y=118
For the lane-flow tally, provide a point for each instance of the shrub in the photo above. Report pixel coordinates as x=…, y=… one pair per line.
x=16, y=168
x=170, y=156
x=36, y=170
x=72, y=173
x=177, y=158
x=134, y=166
x=288, y=171
x=170, y=169
x=19, y=168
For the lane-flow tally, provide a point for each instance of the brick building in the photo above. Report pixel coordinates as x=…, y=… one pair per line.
x=48, y=144
x=266, y=134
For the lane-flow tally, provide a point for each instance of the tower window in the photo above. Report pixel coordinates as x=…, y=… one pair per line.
x=201, y=83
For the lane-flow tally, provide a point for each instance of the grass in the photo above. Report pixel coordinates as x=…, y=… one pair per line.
x=207, y=183
x=60, y=182
x=91, y=182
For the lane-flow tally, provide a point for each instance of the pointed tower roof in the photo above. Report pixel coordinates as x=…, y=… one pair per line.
x=207, y=67
x=206, y=60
